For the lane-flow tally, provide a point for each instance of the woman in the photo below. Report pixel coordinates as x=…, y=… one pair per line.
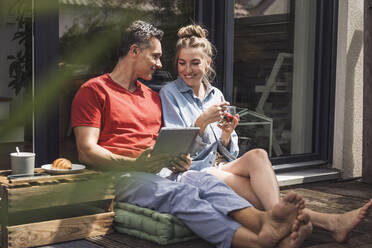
x=192, y=101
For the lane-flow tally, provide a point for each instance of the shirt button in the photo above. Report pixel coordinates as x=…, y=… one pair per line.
x=214, y=152
x=210, y=162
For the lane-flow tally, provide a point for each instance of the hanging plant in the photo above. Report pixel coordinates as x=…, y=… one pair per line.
x=20, y=68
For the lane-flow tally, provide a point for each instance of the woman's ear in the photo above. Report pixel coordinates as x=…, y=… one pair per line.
x=208, y=64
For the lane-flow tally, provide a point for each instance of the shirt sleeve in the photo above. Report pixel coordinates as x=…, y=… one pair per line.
x=233, y=146
x=171, y=111
x=172, y=117
x=86, y=108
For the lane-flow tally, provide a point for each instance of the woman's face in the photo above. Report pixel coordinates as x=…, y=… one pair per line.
x=192, y=64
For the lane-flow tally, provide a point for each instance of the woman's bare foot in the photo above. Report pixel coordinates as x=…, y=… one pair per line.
x=279, y=222
x=301, y=229
x=342, y=224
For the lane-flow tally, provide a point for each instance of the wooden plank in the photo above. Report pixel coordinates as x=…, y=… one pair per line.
x=55, y=231
x=73, y=244
x=61, y=194
x=55, y=178
x=367, y=93
x=4, y=214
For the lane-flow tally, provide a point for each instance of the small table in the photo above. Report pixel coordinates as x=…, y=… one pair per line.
x=56, y=208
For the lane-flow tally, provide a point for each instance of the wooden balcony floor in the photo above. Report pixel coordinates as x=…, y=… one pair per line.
x=330, y=197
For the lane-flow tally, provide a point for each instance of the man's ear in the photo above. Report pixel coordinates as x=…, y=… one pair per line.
x=134, y=49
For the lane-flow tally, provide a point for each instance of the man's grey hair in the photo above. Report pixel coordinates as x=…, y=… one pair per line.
x=140, y=33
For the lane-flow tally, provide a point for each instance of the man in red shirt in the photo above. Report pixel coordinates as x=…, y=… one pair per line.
x=115, y=117
x=116, y=120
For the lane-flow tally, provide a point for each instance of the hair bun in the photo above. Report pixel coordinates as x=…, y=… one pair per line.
x=192, y=31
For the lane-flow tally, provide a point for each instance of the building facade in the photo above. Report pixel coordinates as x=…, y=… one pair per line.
x=294, y=69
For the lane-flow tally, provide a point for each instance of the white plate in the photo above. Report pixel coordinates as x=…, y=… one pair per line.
x=76, y=168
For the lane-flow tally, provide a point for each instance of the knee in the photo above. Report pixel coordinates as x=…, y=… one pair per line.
x=257, y=155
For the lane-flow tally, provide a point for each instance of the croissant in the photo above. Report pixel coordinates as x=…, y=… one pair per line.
x=62, y=163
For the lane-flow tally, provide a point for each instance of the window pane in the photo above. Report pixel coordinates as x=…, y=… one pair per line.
x=274, y=72
x=86, y=47
x=16, y=112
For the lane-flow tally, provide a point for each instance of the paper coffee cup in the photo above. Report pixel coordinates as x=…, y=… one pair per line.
x=22, y=163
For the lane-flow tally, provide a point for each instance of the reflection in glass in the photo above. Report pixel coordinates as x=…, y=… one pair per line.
x=274, y=67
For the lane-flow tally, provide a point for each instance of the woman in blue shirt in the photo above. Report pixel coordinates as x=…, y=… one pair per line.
x=192, y=101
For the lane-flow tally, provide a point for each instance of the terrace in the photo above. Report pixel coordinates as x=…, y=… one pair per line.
x=330, y=197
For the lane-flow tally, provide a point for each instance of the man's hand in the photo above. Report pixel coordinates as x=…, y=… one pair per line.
x=180, y=164
x=152, y=163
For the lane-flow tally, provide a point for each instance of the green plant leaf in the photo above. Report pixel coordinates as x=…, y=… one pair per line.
x=18, y=35
x=19, y=55
x=22, y=40
x=12, y=67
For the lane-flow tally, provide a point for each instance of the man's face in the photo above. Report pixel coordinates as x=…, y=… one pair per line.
x=149, y=60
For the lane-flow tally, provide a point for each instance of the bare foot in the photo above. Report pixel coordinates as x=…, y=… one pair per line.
x=301, y=229
x=280, y=221
x=342, y=224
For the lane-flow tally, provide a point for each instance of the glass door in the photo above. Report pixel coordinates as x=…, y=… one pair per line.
x=16, y=74
x=274, y=57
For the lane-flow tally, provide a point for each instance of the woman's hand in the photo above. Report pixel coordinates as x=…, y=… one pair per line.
x=212, y=114
x=228, y=128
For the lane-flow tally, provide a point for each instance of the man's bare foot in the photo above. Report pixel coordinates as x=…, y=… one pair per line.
x=342, y=224
x=301, y=229
x=280, y=221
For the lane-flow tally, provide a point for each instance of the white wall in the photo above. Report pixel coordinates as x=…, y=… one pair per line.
x=348, y=132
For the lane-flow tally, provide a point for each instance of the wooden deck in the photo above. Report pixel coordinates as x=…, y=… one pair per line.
x=331, y=197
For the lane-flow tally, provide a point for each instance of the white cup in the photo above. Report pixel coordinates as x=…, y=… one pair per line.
x=22, y=163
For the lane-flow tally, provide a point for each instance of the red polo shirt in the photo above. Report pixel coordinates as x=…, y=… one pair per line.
x=129, y=121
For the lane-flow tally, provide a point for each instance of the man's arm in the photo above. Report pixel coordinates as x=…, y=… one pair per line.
x=100, y=158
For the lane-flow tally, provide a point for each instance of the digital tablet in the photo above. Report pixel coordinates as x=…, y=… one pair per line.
x=175, y=141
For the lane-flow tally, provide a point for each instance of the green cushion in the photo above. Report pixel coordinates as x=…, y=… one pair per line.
x=150, y=225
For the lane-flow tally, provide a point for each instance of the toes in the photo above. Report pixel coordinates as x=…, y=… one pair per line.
x=295, y=225
x=290, y=197
x=303, y=218
x=294, y=235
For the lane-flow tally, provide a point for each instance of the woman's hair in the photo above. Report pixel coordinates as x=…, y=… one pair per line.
x=195, y=36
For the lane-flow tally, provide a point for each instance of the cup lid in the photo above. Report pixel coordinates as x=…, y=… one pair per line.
x=23, y=154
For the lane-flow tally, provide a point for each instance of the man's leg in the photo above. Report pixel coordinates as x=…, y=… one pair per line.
x=270, y=226
x=181, y=200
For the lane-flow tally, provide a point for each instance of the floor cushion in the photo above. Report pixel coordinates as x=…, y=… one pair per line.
x=150, y=225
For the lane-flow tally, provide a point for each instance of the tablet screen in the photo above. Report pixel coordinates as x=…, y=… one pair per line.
x=175, y=141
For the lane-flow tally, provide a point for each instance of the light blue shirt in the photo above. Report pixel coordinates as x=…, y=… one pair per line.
x=181, y=108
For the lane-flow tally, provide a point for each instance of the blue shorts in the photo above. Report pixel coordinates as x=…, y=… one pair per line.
x=199, y=199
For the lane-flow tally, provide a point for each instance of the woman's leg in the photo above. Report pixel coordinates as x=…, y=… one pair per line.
x=340, y=224
x=241, y=185
x=253, y=178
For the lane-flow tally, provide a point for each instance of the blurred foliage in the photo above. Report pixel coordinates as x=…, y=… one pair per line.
x=91, y=43
x=168, y=15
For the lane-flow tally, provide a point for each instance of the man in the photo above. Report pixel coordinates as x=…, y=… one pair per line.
x=116, y=120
